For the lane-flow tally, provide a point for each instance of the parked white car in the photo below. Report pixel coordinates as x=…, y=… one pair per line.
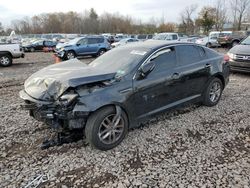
x=171, y=37
x=123, y=42
x=9, y=52
x=209, y=41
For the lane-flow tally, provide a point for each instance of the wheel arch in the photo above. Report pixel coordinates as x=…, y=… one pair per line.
x=221, y=77
x=115, y=105
x=6, y=53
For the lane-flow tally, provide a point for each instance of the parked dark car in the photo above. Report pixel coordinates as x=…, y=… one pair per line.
x=230, y=39
x=240, y=56
x=39, y=45
x=124, y=87
x=83, y=46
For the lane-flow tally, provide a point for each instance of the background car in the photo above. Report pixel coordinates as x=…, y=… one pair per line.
x=239, y=56
x=230, y=39
x=144, y=37
x=39, y=45
x=83, y=46
x=123, y=42
x=209, y=41
x=171, y=37
x=8, y=52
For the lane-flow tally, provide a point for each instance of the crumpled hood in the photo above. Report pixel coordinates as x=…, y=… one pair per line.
x=240, y=49
x=51, y=82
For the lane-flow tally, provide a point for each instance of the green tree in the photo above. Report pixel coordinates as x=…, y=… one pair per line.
x=206, y=18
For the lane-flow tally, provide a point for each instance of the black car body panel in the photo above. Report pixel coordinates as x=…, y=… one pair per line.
x=182, y=80
x=241, y=58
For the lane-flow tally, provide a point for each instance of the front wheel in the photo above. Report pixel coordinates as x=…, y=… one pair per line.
x=70, y=55
x=106, y=128
x=5, y=60
x=213, y=92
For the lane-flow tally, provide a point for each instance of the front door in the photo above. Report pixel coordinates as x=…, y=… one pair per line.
x=157, y=91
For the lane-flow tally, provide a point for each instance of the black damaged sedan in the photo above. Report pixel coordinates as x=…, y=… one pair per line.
x=123, y=88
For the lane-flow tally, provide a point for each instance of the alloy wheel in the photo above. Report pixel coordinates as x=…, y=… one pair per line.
x=215, y=92
x=70, y=55
x=5, y=60
x=111, y=129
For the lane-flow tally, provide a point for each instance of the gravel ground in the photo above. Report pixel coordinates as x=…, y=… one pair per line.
x=195, y=146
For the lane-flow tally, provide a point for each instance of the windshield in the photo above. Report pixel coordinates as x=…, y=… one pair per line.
x=120, y=60
x=224, y=34
x=246, y=41
x=160, y=37
x=74, y=41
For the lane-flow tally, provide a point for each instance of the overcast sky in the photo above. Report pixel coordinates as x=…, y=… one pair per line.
x=139, y=9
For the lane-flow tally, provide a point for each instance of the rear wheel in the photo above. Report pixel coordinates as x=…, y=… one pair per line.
x=5, y=60
x=234, y=43
x=70, y=55
x=105, y=129
x=209, y=45
x=213, y=92
x=32, y=49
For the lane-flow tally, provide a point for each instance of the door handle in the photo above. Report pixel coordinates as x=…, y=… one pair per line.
x=176, y=76
x=208, y=65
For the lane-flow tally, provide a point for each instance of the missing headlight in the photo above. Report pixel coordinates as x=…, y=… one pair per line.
x=67, y=99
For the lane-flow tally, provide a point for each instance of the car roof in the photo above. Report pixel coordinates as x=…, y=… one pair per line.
x=168, y=33
x=156, y=44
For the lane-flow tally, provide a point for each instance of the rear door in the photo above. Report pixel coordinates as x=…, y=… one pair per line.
x=193, y=69
x=93, y=45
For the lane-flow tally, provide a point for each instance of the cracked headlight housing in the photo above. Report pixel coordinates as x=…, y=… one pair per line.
x=67, y=99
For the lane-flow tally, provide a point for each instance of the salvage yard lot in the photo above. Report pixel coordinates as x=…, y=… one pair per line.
x=194, y=145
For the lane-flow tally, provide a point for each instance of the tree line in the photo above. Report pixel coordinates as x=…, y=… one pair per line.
x=89, y=22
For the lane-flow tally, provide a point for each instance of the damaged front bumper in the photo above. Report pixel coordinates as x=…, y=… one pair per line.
x=55, y=114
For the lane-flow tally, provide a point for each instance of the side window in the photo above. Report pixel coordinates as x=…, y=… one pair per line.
x=82, y=42
x=174, y=37
x=100, y=40
x=164, y=60
x=188, y=54
x=201, y=51
x=150, y=36
x=39, y=43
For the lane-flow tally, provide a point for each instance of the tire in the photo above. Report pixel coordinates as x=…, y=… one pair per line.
x=209, y=45
x=234, y=43
x=98, y=135
x=70, y=55
x=32, y=49
x=213, y=92
x=101, y=52
x=5, y=60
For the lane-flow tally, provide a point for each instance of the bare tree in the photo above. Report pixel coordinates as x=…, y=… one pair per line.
x=220, y=14
x=239, y=8
x=187, y=21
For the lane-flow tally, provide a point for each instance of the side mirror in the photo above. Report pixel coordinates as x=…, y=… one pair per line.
x=78, y=44
x=146, y=69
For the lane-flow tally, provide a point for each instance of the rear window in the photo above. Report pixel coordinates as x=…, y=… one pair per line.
x=224, y=34
x=150, y=36
x=95, y=40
